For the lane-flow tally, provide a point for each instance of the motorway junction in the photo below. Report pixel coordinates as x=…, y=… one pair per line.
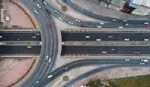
x=76, y=41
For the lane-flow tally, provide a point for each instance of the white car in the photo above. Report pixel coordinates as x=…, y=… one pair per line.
x=114, y=20
x=126, y=39
x=104, y=52
x=50, y=76
x=70, y=22
x=144, y=60
x=146, y=39
x=120, y=27
x=127, y=59
x=46, y=58
x=44, y=3
x=87, y=36
x=60, y=18
x=35, y=11
x=146, y=22
x=38, y=5
x=37, y=82
x=126, y=24
x=142, y=63
x=99, y=26
x=77, y=20
x=49, y=61
x=102, y=23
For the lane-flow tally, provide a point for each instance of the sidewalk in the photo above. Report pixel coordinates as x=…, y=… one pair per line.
x=12, y=70
x=101, y=10
x=72, y=13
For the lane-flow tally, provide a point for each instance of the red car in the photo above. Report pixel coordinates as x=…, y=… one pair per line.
x=148, y=27
x=52, y=41
x=49, y=25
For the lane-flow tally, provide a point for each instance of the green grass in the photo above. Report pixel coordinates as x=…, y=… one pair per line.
x=139, y=81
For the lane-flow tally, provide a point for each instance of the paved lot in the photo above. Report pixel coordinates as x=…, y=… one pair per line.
x=11, y=70
x=17, y=16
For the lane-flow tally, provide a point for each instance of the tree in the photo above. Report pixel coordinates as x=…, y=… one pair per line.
x=64, y=8
x=95, y=83
x=65, y=78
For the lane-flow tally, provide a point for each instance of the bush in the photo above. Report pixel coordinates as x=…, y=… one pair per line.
x=64, y=8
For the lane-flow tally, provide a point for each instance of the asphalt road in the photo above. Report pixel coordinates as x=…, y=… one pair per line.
x=20, y=36
x=49, y=42
x=59, y=71
x=110, y=36
x=72, y=21
x=135, y=50
x=100, y=17
x=19, y=50
x=39, y=77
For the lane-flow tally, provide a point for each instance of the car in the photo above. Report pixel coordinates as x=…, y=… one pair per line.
x=35, y=11
x=127, y=59
x=70, y=22
x=148, y=27
x=146, y=23
x=52, y=41
x=144, y=60
x=38, y=5
x=49, y=61
x=29, y=46
x=87, y=36
x=142, y=63
x=114, y=20
x=40, y=43
x=99, y=26
x=104, y=52
x=50, y=76
x=101, y=23
x=37, y=82
x=126, y=24
x=56, y=11
x=33, y=36
x=77, y=20
x=126, y=39
x=98, y=40
x=124, y=20
x=60, y=18
x=146, y=39
x=110, y=36
x=46, y=58
x=49, y=25
x=44, y=3
x=120, y=27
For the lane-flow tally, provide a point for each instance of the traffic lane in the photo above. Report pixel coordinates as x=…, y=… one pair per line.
x=135, y=50
x=52, y=41
x=39, y=69
x=19, y=49
x=43, y=73
x=20, y=36
x=56, y=73
x=90, y=24
x=88, y=36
